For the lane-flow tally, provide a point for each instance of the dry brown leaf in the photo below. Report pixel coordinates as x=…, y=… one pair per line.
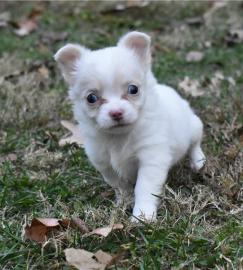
x=105, y=231
x=36, y=233
x=48, y=222
x=82, y=259
x=194, y=56
x=39, y=228
x=76, y=136
x=103, y=257
x=80, y=224
x=191, y=87
x=28, y=25
x=85, y=260
x=74, y=222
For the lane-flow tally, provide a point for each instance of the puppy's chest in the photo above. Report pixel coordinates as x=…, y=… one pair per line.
x=119, y=156
x=123, y=160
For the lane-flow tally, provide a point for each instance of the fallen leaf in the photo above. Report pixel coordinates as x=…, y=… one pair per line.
x=105, y=231
x=194, y=56
x=36, y=233
x=103, y=257
x=39, y=228
x=48, y=222
x=82, y=259
x=191, y=87
x=28, y=25
x=76, y=136
x=85, y=260
x=74, y=222
x=80, y=224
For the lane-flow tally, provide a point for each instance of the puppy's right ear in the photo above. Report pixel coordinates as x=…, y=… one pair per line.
x=67, y=58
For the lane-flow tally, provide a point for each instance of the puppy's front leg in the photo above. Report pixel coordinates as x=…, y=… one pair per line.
x=151, y=178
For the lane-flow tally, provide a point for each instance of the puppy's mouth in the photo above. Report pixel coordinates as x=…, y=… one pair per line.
x=120, y=124
x=118, y=127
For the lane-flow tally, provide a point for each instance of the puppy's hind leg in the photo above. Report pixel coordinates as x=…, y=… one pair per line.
x=197, y=157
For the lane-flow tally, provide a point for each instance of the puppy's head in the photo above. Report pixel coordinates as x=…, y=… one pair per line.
x=107, y=86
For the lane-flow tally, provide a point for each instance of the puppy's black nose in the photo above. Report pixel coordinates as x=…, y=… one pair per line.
x=116, y=115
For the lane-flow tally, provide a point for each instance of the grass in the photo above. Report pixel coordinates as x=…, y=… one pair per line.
x=200, y=224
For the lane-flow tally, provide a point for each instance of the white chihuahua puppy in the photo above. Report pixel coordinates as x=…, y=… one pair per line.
x=134, y=129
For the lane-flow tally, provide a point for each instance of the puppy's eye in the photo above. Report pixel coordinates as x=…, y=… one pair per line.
x=132, y=89
x=92, y=98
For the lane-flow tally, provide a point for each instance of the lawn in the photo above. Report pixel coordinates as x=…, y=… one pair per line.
x=200, y=218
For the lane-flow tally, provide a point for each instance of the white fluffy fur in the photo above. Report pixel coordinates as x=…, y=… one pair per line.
x=158, y=127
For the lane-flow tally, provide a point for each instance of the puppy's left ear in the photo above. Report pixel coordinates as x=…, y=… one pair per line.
x=67, y=58
x=139, y=43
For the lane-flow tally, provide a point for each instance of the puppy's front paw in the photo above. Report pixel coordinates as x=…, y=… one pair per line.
x=198, y=164
x=147, y=214
x=198, y=159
